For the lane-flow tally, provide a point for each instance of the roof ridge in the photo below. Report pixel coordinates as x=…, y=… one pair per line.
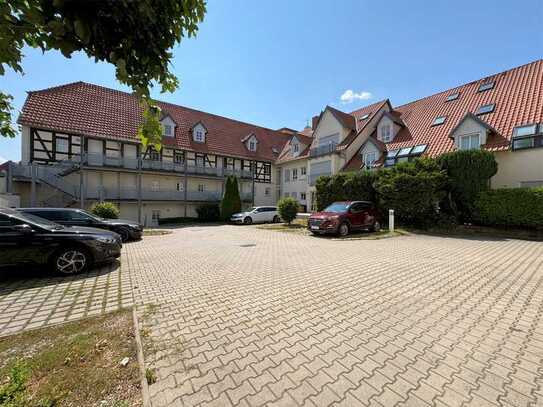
x=67, y=85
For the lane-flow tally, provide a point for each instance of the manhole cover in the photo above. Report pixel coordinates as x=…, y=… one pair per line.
x=247, y=245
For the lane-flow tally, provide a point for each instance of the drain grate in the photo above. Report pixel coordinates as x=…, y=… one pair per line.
x=247, y=245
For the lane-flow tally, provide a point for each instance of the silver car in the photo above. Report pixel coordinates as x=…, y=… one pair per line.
x=257, y=214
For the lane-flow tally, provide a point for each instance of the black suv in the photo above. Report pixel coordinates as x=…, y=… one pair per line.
x=28, y=239
x=128, y=230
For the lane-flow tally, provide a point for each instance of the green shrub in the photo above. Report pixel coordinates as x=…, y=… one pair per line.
x=413, y=189
x=351, y=186
x=208, y=213
x=288, y=208
x=231, y=201
x=469, y=173
x=510, y=207
x=107, y=210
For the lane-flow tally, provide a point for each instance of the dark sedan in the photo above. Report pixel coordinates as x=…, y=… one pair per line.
x=26, y=239
x=127, y=229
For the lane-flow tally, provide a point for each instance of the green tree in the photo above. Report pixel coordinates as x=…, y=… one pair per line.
x=107, y=210
x=135, y=36
x=469, y=173
x=349, y=186
x=231, y=201
x=288, y=208
x=413, y=189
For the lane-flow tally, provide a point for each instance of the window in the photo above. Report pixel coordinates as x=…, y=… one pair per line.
x=295, y=174
x=527, y=137
x=155, y=216
x=152, y=154
x=404, y=151
x=287, y=175
x=364, y=117
x=486, y=109
x=439, y=120
x=199, y=161
x=303, y=170
x=201, y=187
x=418, y=149
x=302, y=196
x=486, y=86
x=470, y=142
x=180, y=186
x=252, y=145
x=369, y=159
x=294, y=195
x=452, y=96
x=178, y=157
x=168, y=130
x=295, y=147
x=267, y=191
x=62, y=145
x=199, y=136
x=386, y=133
x=155, y=186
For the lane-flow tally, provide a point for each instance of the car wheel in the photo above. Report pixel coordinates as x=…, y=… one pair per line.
x=343, y=229
x=248, y=220
x=71, y=260
x=276, y=219
x=125, y=235
x=376, y=227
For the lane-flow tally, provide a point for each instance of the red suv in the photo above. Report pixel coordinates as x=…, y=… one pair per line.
x=343, y=217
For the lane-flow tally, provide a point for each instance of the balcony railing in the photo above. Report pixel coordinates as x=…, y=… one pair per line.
x=323, y=150
x=152, y=195
x=99, y=160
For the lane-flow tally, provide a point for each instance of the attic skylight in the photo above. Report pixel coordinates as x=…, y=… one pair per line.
x=439, y=120
x=452, y=96
x=404, y=151
x=364, y=117
x=485, y=86
x=418, y=149
x=486, y=109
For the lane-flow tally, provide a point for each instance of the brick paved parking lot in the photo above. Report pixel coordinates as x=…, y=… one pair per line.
x=249, y=317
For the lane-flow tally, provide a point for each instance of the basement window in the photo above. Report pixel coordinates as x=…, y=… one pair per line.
x=439, y=120
x=486, y=109
x=486, y=86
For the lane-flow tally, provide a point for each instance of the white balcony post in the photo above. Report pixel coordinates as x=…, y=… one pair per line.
x=391, y=220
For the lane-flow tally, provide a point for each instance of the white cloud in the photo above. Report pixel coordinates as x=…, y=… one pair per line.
x=349, y=96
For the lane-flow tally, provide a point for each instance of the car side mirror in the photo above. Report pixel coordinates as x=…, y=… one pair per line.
x=24, y=228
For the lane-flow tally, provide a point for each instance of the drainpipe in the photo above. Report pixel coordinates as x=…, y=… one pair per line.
x=253, y=184
x=139, y=186
x=185, y=184
x=82, y=181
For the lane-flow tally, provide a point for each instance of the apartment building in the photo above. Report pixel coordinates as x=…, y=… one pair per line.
x=79, y=146
x=502, y=113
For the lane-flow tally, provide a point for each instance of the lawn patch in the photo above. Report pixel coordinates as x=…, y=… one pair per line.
x=74, y=364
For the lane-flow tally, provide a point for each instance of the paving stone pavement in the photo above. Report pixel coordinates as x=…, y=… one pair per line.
x=35, y=298
x=239, y=316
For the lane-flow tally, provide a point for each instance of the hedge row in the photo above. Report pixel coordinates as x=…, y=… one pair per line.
x=510, y=207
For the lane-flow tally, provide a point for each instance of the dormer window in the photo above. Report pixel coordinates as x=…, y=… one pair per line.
x=252, y=145
x=199, y=133
x=386, y=133
x=168, y=126
x=251, y=142
x=295, y=147
x=168, y=130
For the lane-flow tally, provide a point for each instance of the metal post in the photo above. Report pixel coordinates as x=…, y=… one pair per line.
x=139, y=186
x=391, y=220
x=32, y=185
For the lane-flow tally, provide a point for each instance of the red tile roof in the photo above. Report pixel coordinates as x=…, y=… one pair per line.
x=518, y=99
x=93, y=110
x=369, y=110
x=303, y=137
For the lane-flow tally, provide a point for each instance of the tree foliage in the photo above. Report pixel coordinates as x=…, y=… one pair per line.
x=106, y=210
x=231, y=201
x=135, y=36
x=345, y=187
x=413, y=189
x=288, y=208
x=469, y=173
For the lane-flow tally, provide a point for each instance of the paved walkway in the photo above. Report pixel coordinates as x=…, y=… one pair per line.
x=239, y=316
x=247, y=317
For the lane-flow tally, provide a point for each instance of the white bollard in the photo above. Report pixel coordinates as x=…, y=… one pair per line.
x=391, y=220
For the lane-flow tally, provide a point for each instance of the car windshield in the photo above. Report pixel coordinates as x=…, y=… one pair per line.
x=36, y=220
x=254, y=208
x=337, y=207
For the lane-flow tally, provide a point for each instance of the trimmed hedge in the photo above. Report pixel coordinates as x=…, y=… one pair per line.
x=348, y=186
x=208, y=213
x=469, y=173
x=510, y=207
x=414, y=190
x=106, y=210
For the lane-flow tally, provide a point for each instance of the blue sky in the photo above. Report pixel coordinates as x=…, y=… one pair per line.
x=279, y=63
